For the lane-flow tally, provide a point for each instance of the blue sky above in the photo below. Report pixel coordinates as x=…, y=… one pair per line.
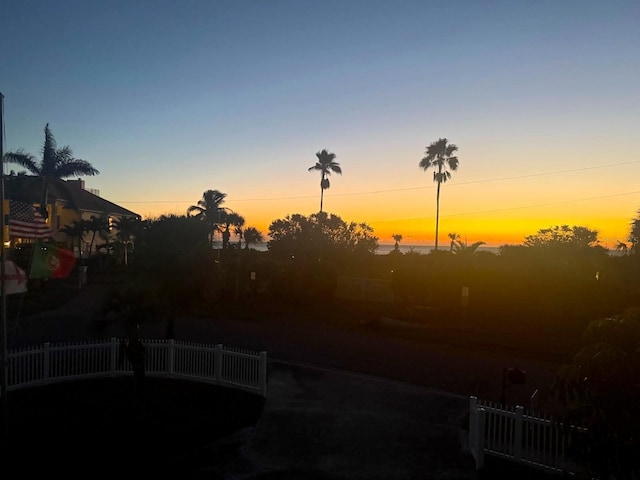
x=168, y=99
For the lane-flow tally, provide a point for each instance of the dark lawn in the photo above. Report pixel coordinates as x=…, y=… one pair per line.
x=95, y=428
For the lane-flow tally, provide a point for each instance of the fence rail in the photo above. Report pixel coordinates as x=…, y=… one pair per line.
x=536, y=440
x=215, y=364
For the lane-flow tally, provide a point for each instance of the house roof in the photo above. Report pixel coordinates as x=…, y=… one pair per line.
x=28, y=188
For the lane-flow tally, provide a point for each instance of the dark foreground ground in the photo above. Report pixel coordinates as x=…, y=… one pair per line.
x=346, y=400
x=101, y=428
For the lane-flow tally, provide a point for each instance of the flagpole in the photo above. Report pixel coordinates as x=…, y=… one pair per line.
x=3, y=287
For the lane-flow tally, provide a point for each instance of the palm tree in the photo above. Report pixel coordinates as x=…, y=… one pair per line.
x=453, y=237
x=229, y=219
x=97, y=225
x=251, y=235
x=209, y=210
x=128, y=228
x=325, y=165
x=56, y=163
x=398, y=238
x=463, y=248
x=634, y=235
x=439, y=156
x=75, y=230
x=240, y=234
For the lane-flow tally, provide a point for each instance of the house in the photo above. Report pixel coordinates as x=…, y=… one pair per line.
x=68, y=201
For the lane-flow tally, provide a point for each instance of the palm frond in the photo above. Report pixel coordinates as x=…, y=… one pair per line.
x=25, y=160
x=68, y=166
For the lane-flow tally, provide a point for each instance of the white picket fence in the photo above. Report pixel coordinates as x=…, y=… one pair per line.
x=215, y=364
x=511, y=433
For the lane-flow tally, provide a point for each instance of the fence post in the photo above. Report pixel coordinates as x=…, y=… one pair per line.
x=473, y=413
x=113, y=355
x=171, y=356
x=476, y=431
x=517, y=440
x=218, y=363
x=481, y=421
x=263, y=374
x=46, y=353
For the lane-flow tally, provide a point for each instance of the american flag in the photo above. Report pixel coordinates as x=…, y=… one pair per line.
x=26, y=222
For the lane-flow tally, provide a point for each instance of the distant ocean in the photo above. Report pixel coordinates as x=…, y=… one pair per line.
x=384, y=249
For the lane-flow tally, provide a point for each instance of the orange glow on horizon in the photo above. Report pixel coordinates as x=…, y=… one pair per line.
x=505, y=229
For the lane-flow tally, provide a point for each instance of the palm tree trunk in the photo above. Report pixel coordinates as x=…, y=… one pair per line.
x=93, y=237
x=44, y=199
x=437, y=213
x=321, y=191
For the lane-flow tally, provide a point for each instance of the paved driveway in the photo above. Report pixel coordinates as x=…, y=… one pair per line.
x=320, y=423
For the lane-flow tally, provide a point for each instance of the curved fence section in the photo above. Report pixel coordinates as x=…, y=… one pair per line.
x=215, y=364
x=536, y=440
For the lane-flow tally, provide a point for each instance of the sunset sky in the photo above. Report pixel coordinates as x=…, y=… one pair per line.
x=169, y=99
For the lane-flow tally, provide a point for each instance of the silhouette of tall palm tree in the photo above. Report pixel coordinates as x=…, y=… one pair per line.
x=398, y=238
x=127, y=230
x=56, y=163
x=208, y=209
x=325, y=165
x=97, y=226
x=440, y=155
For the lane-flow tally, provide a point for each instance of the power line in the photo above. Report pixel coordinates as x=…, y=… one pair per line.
x=522, y=207
x=403, y=189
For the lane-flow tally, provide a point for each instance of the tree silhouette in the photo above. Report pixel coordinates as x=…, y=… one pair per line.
x=398, y=238
x=600, y=387
x=622, y=247
x=453, y=237
x=563, y=235
x=440, y=155
x=127, y=230
x=634, y=235
x=463, y=248
x=97, y=226
x=325, y=165
x=208, y=210
x=75, y=229
x=56, y=163
x=228, y=219
x=251, y=235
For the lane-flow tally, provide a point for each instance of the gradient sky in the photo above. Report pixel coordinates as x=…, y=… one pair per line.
x=169, y=99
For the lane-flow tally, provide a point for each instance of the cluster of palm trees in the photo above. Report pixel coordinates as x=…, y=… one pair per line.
x=59, y=163
x=439, y=156
x=126, y=228
x=222, y=219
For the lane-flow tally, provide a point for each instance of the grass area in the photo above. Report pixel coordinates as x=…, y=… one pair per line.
x=101, y=427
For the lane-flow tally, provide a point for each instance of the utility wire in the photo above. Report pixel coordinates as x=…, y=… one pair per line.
x=522, y=207
x=404, y=189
